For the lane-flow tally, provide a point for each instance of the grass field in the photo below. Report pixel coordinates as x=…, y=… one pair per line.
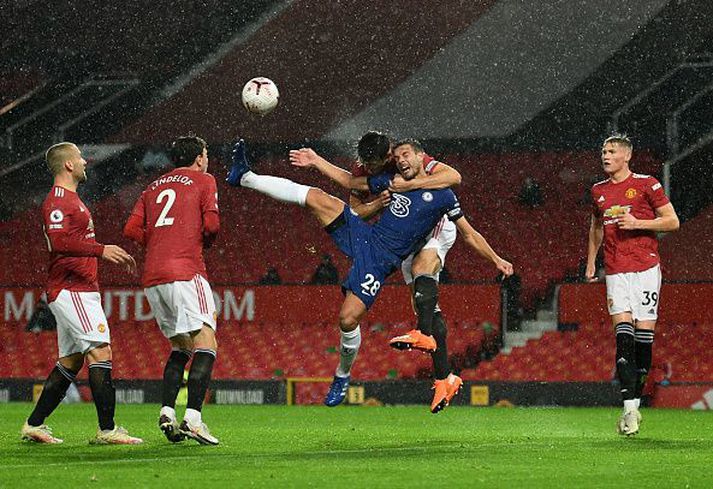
x=281, y=446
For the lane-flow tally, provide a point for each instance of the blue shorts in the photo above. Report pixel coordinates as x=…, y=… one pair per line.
x=371, y=262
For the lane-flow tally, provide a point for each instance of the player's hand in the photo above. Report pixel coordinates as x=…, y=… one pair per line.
x=590, y=273
x=384, y=199
x=116, y=254
x=399, y=184
x=304, y=157
x=627, y=221
x=504, y=266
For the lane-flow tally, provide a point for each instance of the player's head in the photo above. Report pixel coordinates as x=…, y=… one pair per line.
x=409, y=157
x=616, y=153
x=65, y=159
x=188, y=151
x=373, y=149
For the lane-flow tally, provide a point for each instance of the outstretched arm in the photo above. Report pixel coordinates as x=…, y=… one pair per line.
x=308, y=158
x=476, y=241
x=443, y=176
x=596, y=236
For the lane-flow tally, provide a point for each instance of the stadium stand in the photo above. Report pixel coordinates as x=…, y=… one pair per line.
x=683, y=340
x=554, y=233
x=546, y=243
x=258, y=350
x=686, y=254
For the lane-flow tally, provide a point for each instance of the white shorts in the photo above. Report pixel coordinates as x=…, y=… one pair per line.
x=182, y=307
x=81, y=322
x=441, y=239
x=635, y=292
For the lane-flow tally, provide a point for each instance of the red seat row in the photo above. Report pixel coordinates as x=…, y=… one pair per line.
x=681, y=353
x=247, y=350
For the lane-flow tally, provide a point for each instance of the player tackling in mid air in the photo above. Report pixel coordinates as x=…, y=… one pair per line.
x=376, y=251
x=73, y=297
x=174, y=219
x=629, y=209
x=421, y=268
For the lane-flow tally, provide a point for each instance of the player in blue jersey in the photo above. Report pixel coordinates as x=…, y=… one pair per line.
x=421, y=268
x=376, y=251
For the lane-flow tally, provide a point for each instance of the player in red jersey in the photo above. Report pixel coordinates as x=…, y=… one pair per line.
x=420, y=269
x=73, y=297
x=174, y=219
x=629, y=209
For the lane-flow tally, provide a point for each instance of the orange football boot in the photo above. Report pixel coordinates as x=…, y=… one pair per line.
x=445, y=390
x=414, y=340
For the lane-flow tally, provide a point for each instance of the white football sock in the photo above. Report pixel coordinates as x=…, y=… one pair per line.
x=193, y=416
x=348, y=349
x=278, y=188
x=629, y=405
x=638, y=403
x=168, y=411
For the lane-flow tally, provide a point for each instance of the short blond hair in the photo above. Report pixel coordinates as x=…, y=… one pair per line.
x=620, y=139
x=57, y=154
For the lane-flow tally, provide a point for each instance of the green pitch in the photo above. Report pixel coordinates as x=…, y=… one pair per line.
x=350, y=447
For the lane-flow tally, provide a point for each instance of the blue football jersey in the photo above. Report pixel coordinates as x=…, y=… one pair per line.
x=411, y=215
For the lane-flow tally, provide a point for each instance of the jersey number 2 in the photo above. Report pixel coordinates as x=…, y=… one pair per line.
x=169, y=195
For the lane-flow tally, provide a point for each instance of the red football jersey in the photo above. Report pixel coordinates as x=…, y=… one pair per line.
x=173, y=209
x=69, y=230
x=628, y=250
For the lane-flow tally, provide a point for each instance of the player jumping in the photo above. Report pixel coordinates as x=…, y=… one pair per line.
x=421, y=268
x=376, y=251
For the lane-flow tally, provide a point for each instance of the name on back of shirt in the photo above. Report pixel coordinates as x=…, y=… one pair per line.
x=183, y=179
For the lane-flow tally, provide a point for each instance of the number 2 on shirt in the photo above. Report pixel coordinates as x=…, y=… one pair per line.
x=170, y=196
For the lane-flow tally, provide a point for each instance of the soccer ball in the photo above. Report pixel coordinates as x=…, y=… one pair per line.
x=260, y=95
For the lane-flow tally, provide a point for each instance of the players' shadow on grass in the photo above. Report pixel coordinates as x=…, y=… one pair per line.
x=375, y=451
x=33, y=454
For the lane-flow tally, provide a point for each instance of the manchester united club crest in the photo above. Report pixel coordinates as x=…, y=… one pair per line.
x=630, y=193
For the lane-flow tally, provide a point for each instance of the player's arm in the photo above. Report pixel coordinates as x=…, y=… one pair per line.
x=367, y=210
x=210, y=215
x=476, y=241
x=68, y=245
x=308, y=158
x=134, y=229
x=60, y=241
x=666, y=220
x=57, y=218
x=596, y=236
x=442, y=176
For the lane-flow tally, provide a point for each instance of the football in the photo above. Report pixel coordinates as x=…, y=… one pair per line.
x=260, y=95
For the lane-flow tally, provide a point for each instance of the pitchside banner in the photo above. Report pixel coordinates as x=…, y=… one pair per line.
x=693, y=395
x=278, y=303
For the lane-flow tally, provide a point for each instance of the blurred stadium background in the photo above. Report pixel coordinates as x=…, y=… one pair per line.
x=502, y=90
